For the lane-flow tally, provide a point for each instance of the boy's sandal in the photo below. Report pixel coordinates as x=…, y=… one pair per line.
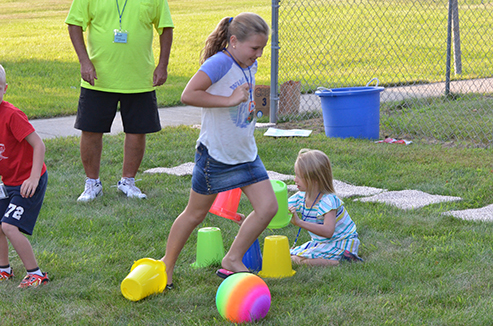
x=170, y=286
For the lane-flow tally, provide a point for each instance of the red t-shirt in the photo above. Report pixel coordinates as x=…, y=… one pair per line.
x=16, y=154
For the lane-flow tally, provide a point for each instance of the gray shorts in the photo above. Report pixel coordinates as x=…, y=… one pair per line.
x=97, y=110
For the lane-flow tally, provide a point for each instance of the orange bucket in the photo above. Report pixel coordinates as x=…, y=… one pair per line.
x=226, y=204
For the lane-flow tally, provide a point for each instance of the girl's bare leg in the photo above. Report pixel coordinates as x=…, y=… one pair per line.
x=195, y=212
x=264, y=204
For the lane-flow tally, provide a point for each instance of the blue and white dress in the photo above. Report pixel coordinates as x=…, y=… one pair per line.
x=344, y=238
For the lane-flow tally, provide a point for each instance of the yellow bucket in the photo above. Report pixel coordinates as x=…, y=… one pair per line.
x=147, y=276
x=276, y=261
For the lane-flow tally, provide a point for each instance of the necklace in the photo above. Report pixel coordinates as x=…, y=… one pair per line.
x=251, y=104
x=120, y=36
x=305, y=216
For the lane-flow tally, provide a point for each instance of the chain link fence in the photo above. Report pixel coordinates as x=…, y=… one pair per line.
x=434, y=58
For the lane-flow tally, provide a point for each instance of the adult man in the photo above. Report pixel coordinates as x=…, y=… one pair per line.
x=117, y=67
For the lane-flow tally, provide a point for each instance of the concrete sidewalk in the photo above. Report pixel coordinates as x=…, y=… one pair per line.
x=64, y=126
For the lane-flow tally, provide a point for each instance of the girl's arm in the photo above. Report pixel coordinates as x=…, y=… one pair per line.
x=325, y=230
x=28, y=187
x=195, y=93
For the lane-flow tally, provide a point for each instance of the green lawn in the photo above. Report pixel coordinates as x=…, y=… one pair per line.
x=462, y=119
x=346, y=43
x=43, y=71
x=421, y=267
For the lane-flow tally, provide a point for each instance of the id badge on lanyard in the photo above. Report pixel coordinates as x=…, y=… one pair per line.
x=119, y=35
x=251, y=104
x=251, y=111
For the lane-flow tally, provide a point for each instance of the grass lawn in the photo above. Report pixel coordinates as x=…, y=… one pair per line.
x=421, y=267
x=461, y=119
x=346, y=43
x=44, y=77
x=43, y=70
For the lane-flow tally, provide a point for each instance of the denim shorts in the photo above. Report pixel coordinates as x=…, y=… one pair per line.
x=23, y=212
x=97, y=110
x=212, y=177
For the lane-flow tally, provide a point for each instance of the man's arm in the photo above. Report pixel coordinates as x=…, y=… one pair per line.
x=87, y=70
x=161, y=71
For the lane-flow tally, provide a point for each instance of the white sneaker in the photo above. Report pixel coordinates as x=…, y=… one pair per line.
x=127, y=186
x=93, y=189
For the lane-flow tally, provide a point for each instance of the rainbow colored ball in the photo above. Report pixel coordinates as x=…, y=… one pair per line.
x=243, y=297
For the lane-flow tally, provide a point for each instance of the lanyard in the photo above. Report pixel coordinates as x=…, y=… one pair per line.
x=121, y=14
x=250, y=88
x=305, y=217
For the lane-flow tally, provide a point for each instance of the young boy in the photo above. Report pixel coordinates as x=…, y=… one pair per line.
x=24, y=175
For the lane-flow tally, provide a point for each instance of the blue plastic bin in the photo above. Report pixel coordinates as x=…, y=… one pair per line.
x=351, y=112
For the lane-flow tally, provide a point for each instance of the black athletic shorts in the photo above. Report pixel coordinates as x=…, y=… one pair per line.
x=23, y=212
x=97, y=110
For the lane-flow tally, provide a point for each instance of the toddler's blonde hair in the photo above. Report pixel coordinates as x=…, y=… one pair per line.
x=314, y=167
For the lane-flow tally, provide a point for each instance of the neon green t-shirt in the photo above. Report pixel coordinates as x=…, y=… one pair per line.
x=121, y=67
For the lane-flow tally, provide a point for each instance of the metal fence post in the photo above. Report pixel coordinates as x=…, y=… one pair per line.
x=449, y=49
x=456, y=36
x=274, y=62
